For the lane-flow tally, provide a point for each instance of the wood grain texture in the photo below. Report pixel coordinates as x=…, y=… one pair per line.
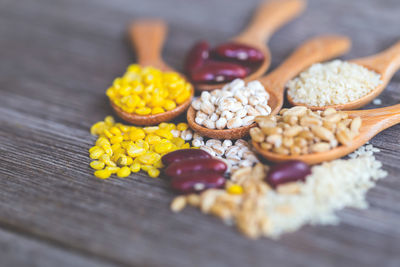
x=58, y=58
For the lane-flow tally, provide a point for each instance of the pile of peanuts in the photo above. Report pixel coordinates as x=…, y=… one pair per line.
x=145, y=91
x=299, y=130
x=121, y=149
x=234, y=106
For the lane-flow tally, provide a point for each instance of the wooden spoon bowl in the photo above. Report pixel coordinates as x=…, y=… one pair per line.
x=233, y=134
x=312, y=51
x=269, y=17
x=385, y=63
x=148, y=37
x=373, y=122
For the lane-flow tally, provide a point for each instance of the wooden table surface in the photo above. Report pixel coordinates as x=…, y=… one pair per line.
x=58, y=58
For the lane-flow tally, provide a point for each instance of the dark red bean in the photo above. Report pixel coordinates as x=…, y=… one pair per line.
x=238, y=52
x=184, y=154
x=289, y=171
x=218, y=72
x=184, y=167
x=197, y=182
x=196, y=56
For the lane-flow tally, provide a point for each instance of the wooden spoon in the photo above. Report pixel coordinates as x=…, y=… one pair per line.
x=315, y=50
x=269, y=17
x=385, y=63
x=148, y=37
x=373, y=122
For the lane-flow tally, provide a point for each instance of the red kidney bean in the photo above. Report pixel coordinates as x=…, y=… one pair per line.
x=184, y=154
x=218, y=72
x=289, y=171
x=196, y=182
x=196, y=56
x=238, y=52
x=184, y=167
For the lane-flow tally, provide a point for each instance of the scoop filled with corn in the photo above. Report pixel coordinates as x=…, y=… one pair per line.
x=149, y=92
x=122, y=149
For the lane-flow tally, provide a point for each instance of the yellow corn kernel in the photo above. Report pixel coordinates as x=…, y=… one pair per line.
x=122, y=160
x=93, y=148
x=143, y=111
x=97, y=128
x=146, y=167
x=138, y=89
x=164, y=133
x=116, y=146
x=97, y=165
x=178, y=141
x=186, y=145
x=102, y=141
x=182, y=126
x=135, y=151
x=153, y=172
x=149, y=158
x=107, y=133
x=171, y=126
x=125, y=144
x=157, y=110
x=135, y=167
x=129, y=160
x=116, y=139
x=136, y=134
x=162, y=147
x=134, y=68
x=169, y=104
x=96, y=153
x=112, y=169
x=150, y=129
x=163, y=125
x=124, y=172
x=124, y=128
x=235, y=189
x=152, y=139
x=142, y=144
x=107, y=160
x=102, y=174
x=124, y=91
x=109, y=120
x=126, y=137
x=115, y=131
x=158, y=164
x=107, y=149
x=182, y=98
x=141, y=103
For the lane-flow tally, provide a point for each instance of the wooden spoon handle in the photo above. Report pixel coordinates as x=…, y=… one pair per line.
x=318, y=49
x=148, y=37
x=385, y=63
x=269, y=17
x=377, y=120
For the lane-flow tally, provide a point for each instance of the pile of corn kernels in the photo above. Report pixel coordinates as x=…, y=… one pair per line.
x=121, y=149
x=145, y=91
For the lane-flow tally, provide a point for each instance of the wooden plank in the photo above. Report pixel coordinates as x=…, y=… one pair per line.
x=52, y=90
x=19, y=250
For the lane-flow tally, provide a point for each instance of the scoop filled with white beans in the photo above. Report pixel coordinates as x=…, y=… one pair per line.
x=233, y=106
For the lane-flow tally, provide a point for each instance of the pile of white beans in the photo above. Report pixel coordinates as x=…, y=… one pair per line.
x=233, y=106
x=236, y=154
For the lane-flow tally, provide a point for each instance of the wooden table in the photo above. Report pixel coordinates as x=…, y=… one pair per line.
x=58, y=58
